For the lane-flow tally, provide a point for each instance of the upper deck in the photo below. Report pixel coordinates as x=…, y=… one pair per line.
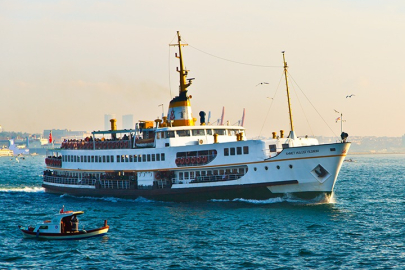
x=157, y=137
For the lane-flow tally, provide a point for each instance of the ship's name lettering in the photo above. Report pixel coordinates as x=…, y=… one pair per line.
x=302, y=152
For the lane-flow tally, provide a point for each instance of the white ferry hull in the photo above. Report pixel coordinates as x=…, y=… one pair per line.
x=290, y=172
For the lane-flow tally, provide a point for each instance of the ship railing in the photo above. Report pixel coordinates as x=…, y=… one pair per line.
x=98, y=145
x=69, y=181
x=115, y=184
x=163, y=183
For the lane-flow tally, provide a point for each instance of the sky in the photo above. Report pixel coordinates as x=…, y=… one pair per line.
x=64, y=64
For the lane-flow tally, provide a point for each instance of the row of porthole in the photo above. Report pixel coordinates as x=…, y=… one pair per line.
x=278, y=167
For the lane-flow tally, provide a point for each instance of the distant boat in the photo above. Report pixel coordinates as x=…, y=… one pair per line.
x=18, y=149
x=63, y=226
x=5, y=152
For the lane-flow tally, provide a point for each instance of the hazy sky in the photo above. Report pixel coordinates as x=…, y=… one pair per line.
x=64, y=64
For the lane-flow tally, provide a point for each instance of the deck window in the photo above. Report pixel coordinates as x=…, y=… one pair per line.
x=209, y=131
x=170, y=134
x=104, y=159
x=108, y=159
x=231, y=132
x=158, y=135
x=232, y=151
x=81, y=159
x=162, y=156
x=153, y=157
x=112, y=158
x=126, y=158
x=92, y=159
x=245, y=150
x=198, y=132
x=148, y=156
x=239, y=150
x=273, y=148
x=226, y=151
x=131, y=158
x=96, y=159
x=144, y=158
x=180, y=176
x=118, y=158
x=220, y=131
x=183, y=133
x=157, y=157
x=139, y=158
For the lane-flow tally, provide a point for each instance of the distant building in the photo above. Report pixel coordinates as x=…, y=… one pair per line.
x=403, y=140
x=107, y=123
x=127, y=121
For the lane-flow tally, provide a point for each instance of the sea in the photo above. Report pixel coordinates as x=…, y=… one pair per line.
x=360, y=227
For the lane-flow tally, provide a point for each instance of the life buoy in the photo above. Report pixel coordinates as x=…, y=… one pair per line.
x=199, y=160
x=187, y=160
x=178, y=161
x=182, y=160
x=204, y=159
x=193, y=160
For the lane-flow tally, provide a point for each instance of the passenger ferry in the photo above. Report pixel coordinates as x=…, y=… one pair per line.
x=175, y=159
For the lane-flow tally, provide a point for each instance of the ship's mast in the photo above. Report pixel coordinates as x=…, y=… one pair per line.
x=179, y=113
x=183, y=72
x=292, y=135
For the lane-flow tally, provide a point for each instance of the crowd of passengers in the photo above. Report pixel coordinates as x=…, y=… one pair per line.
x=90, y=139
x=55, y=157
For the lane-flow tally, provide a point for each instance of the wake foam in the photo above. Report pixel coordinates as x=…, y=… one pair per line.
x=288, y=198
x=24, y=189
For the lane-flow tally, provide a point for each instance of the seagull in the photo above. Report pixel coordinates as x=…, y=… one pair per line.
x=352, y=95
x=269, y=97
x=336, y=111
x=262, y=83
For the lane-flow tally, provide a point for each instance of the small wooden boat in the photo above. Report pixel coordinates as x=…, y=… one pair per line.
x=63, y=226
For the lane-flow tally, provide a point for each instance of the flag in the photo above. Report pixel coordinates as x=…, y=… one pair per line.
x=337, y=119
x=50, y=137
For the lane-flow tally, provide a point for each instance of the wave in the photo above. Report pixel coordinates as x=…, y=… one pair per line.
x=24, y=189
x=289, y=198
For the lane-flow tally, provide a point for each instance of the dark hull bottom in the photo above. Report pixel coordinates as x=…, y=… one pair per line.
x=253, y=192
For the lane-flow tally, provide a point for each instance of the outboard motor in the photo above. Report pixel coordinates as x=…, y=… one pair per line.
x=344, y=136
x=202, y=118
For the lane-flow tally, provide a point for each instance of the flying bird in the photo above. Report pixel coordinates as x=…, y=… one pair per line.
x=262, y=83
x=352, y=95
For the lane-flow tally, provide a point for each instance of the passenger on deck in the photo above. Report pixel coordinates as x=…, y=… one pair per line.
x=75, y=224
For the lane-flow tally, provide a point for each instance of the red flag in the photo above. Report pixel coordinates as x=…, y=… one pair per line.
x=50, y=137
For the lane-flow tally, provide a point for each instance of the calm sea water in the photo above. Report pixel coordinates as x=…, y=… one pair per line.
x=362, y=228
